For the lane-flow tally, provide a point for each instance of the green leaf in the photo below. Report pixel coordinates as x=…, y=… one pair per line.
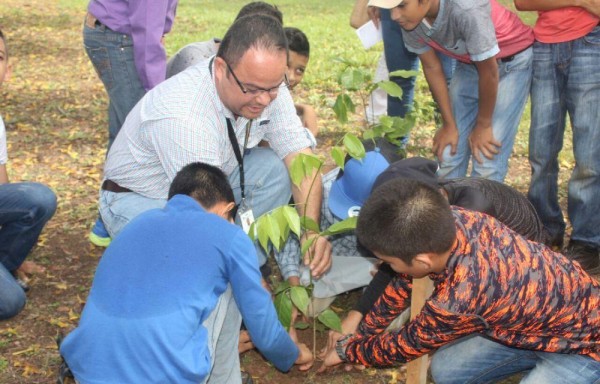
x=309, y=224
x=252, y=231
x=263, y=233
x=273, y=230
x=354, y=147
x=280, y=287
x=301, y=325
x=343, y=105
x=352, y=79
x=369, y=134
x=346, y=225
x=293, y=219
x=284, y=229
x=307, y=244
x=300, y=298
x=283, y=305
x=390, y=88
x=403, y=73
x=297, y=170
x=338, y=155
x=330, y=319
x=312, y=163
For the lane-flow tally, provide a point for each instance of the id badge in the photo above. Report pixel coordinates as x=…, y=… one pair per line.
x=246, y=217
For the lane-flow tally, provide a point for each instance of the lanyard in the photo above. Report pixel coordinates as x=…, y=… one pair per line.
x=238, y=154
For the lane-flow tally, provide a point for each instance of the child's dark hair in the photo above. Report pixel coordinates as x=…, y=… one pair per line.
x=297, y=41
x=205, y=183
x=260, y=7
x=404, y=218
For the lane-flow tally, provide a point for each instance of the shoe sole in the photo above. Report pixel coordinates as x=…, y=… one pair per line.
x=99, y=241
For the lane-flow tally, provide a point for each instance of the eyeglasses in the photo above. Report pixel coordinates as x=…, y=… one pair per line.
x=258, y=91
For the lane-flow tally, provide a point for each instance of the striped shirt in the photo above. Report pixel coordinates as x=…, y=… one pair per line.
x=182, y=121
x=496, y=284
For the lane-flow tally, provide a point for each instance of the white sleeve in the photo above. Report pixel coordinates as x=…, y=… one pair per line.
x=3, y=152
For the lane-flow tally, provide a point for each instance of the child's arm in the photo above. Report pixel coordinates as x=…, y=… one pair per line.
x=308, y=115
x=434, y=73
x=592, y=6
x=481, y=139
x=3, y=174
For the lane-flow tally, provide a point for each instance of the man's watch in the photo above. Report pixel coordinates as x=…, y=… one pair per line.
x=340, y=347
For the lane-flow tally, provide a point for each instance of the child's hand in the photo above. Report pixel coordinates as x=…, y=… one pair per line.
x=245, y=343
x=331, y=359
x=447, y=135
x=374, y=15
x=305, y=357
x=482, y=142
x=349, y=325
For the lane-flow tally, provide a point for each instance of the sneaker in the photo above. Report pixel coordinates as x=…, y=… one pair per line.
x=21, y=283
x=246, y=378
x=585, y=254
x=99, y=235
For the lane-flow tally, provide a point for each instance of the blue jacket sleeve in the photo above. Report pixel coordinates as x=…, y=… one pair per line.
x=256, y=306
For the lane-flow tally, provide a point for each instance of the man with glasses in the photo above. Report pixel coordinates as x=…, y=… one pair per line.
x=217, y=113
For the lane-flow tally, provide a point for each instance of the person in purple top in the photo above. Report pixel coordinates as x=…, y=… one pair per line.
x=124, y=41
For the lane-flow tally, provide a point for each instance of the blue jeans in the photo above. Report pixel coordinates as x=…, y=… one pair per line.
x=223, y=327
x=566, y=79
x=513, y=90
x=111, y=53
x=475, y=359
x=12, y=296
x=24, y=210
x=398, y=57
x=267, y=187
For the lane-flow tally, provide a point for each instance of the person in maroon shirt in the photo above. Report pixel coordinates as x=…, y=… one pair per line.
x=501, y=304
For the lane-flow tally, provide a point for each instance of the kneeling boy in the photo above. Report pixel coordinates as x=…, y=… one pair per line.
x=501, y=304
x=161, y=307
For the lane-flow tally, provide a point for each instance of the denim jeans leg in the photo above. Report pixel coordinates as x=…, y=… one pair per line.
x=562, y=368
x=267, y=185
x=548, y=114
x=118, y=209
x=513, y=90
x=398, y=57
x=223, y=326
x=111, y=53
x=12, y=296
x=24, y=210
x=583, y=101
x=464, y=107
x=476, y=359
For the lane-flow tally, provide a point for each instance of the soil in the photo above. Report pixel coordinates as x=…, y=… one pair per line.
x=54, y=109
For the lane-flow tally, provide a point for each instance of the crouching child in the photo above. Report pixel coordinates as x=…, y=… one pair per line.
x=170, y=293
x=501, y=304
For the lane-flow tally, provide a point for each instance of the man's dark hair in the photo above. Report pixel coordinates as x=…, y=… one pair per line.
x=205, y=183
x=256, y=31
x=297, y=41
x=404, y=218
x=260, y=7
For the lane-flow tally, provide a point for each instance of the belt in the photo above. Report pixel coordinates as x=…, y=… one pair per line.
x=111, y=186
x=91, y=21
x=510, y=58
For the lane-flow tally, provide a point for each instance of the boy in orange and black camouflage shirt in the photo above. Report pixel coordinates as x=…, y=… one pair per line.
x=501, y=304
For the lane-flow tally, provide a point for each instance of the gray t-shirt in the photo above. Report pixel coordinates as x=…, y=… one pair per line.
x=191, y=54
x=462, y=28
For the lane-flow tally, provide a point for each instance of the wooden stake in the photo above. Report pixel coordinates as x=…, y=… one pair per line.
x=416, y=370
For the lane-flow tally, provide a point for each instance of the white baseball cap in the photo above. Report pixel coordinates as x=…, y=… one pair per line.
x=387, y=4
